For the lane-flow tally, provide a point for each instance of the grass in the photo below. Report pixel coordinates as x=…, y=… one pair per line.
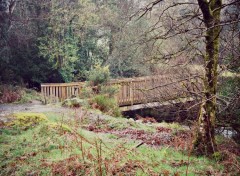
x=42, y=150
x=122, y=123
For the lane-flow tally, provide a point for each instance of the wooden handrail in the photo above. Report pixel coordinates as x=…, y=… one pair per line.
x=62, y=84
x=131, y=90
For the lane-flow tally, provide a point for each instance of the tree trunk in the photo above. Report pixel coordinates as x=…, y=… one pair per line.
x=204, y=140
x=6, y=9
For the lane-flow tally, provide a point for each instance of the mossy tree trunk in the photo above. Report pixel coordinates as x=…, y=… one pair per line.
x=204, y=140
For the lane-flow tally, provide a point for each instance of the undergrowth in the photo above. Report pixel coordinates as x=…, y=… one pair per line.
x=17, y=94
x=28, y=95
x=69, y=149
x=9, y=94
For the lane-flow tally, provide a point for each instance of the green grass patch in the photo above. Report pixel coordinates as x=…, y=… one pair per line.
x=67, y=148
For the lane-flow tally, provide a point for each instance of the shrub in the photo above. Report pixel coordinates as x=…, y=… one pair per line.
x=230, y=113
x=103, y=95
x=26, y=120
x=107, y=104
x=9, y=94
x=99, y=75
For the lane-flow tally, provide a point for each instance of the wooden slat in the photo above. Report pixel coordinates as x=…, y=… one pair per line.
x=57, y=93
x=50, y=94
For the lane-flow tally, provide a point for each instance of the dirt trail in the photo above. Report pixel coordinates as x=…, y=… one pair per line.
x=34, y=106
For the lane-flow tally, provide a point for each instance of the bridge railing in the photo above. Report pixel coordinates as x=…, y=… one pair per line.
x=135, y=90
x=131, y=90
x=56, y=92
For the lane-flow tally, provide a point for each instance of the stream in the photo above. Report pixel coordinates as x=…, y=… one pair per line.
x=178, y=114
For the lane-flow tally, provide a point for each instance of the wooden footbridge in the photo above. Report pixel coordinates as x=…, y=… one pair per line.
x=132, y=91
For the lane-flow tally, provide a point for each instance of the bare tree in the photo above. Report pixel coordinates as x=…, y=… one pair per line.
x=191, y=29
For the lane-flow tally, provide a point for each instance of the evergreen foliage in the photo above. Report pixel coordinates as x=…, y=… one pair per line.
x=99, y=75
x=61, y=41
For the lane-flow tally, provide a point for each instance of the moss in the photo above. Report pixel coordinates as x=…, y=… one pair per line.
x=59, y=126
x=218, y=156
x=26, y=120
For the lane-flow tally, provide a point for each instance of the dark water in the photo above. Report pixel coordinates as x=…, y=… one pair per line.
x=228, y=132
x=168, y=113
x=181, y=114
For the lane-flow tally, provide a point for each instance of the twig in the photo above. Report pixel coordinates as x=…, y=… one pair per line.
x=138, y=145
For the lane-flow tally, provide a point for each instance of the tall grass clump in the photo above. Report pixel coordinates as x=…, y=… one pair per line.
x=106, y=104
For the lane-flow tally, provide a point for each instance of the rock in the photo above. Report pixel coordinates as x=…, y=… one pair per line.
x=131, y=119
x=139, y=121
x=166, y=136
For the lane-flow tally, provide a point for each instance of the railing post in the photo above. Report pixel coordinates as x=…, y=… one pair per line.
x=57, y=94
